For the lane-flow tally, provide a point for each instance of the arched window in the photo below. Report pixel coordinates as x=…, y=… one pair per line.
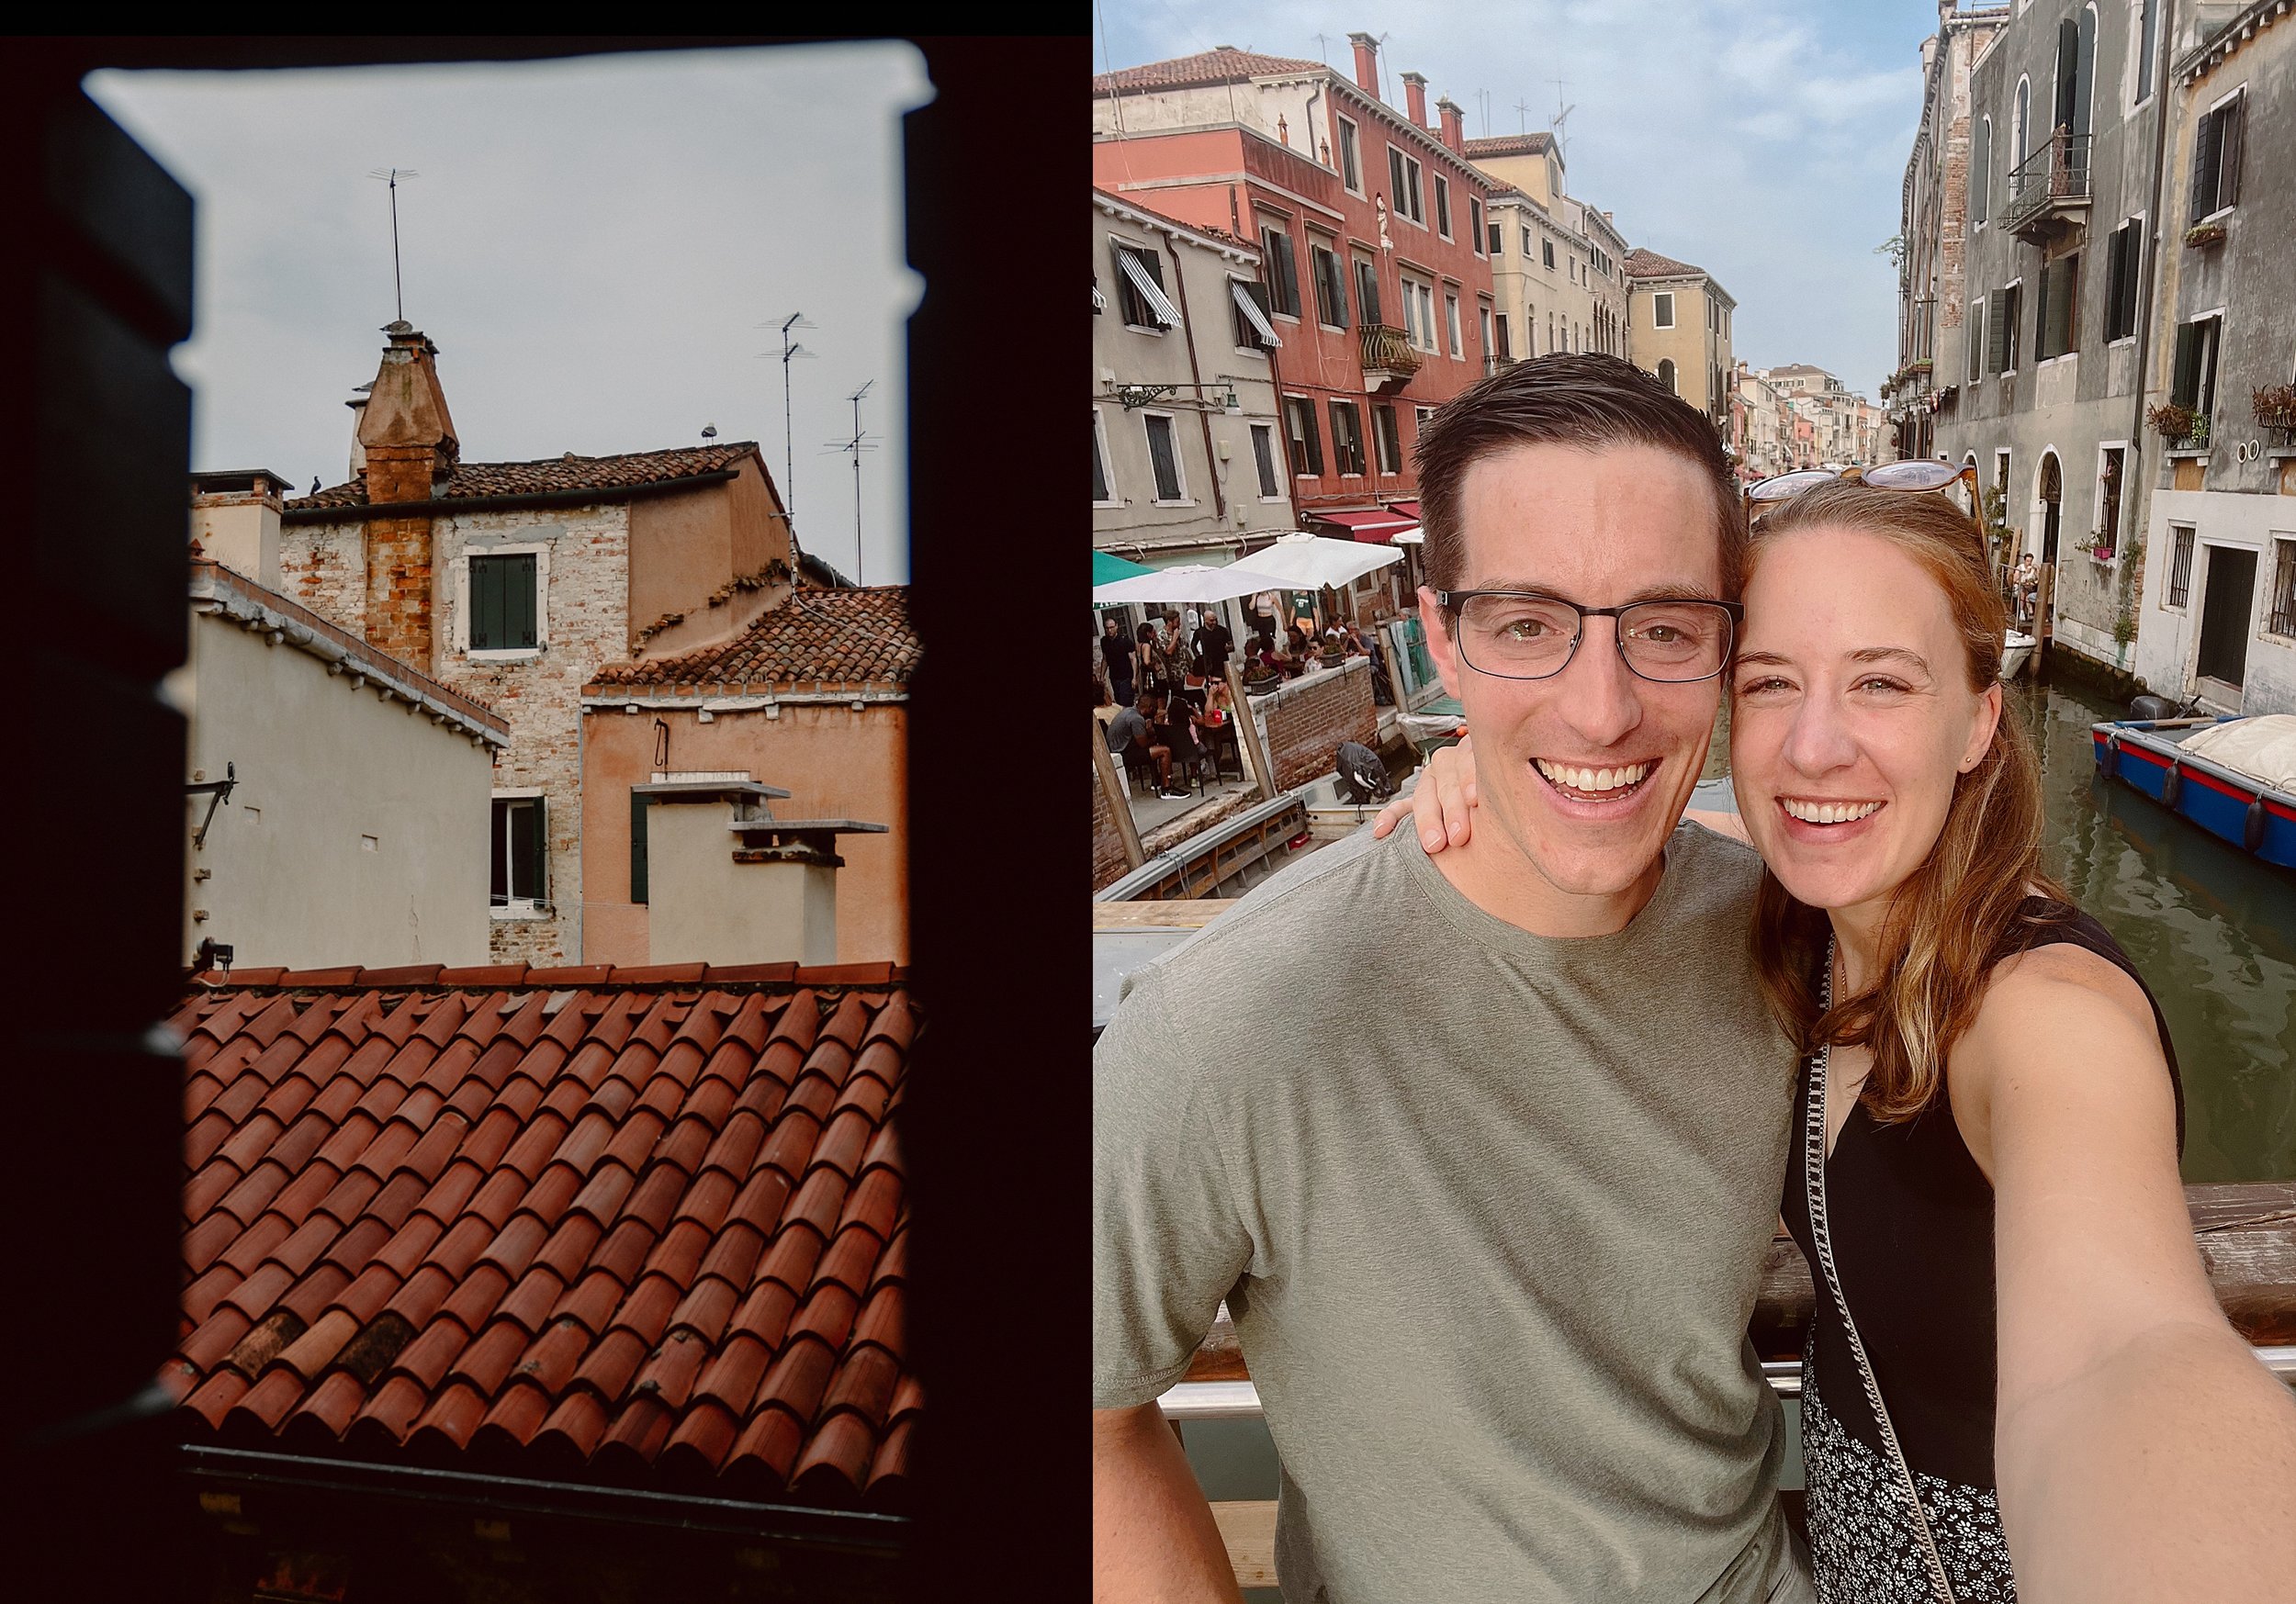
x=1981, y=172
x=1666, y=372
x=2022, y=148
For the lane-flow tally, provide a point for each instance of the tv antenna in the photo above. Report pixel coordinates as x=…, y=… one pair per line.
x=853, y=448
x=1323, y=48
x=392, y=175
x=1561, y=115
x=791, y=352
x=1523, y=116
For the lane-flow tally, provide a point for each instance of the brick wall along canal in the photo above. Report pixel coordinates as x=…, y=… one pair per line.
x=2212, y=930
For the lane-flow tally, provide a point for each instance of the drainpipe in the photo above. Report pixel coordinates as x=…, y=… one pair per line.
x=1203, y=409
x=2161, y=90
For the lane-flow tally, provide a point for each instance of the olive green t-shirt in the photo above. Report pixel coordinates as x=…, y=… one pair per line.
x=1489, y=1210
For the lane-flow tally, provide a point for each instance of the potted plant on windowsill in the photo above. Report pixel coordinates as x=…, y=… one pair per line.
x=2202, y=235
x=2182, y=426
x=2097, y=547
x=2276, y=406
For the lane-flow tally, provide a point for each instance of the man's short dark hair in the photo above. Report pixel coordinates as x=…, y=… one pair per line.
x=1578, y=398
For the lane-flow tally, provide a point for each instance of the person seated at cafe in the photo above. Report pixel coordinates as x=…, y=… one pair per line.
x=1176, y=730
x=1139, y=723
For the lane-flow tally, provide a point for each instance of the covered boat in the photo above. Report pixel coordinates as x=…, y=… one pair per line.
x=2236, y=778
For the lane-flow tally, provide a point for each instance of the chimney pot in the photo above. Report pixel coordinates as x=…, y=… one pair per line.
x=1366, y=63
x=1415, y=99
x=1454, y=126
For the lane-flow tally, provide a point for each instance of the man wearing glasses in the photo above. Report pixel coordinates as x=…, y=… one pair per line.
x=1492, y=1263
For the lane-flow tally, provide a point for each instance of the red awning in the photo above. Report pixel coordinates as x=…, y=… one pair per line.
x=1407, y=508
x=1377, y=525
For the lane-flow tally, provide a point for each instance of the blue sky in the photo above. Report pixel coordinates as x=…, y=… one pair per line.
x=591, y=244
x=1764, y=141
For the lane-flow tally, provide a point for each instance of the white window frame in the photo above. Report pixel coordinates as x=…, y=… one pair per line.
x=1279, y=457
x=1179, y=458
x=540, y=552
x=2022, y=118
x=1108, y=459
x=1363, y=441
x=2017, y=346
x=520, y=907
x=1491, y=349
x=1401, y=167
x=1350, y=142
x=2168, y=567
x=2144, y=238
x=2097, y=510
x=1451, y=324
x=1236, y=281
x=1478, y=224
x=2222, y=211
x=1661, y=301
x=1979, y=312
x=1442, y=206
x=2268, y=563
x=2134, y=68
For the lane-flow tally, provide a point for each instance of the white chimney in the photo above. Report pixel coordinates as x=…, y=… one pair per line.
x=728, y=884
x=235, y=518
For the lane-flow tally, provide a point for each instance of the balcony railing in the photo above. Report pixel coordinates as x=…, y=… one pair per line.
x=1387, y=354
x=2049, y=187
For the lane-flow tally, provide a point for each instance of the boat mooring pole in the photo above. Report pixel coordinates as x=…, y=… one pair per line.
x=1248, y=734
x=1120, y=798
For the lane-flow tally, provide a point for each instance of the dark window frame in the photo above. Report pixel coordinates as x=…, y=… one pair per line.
x=2183, y=538
x=1303, y=438
x=508, y=854
x=1263, y=460
x=1279, y=270
x=495, y=623
x=1349, y=459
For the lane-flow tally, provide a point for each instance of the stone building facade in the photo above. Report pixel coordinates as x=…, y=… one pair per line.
x=514, y=582
x=2217, y=616
x=1557, y=263
x=1678, y=327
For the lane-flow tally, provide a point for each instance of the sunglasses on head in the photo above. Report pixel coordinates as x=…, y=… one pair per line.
x=1893, y=475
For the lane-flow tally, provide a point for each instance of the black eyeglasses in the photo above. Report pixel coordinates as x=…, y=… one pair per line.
x=1521, y=634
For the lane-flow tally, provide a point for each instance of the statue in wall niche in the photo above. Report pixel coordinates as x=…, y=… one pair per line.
x=1378, y=204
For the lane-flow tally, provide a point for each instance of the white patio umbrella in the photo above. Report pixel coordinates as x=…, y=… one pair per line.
x=1190, y=582
x=1414, y=536
x=1311, y=562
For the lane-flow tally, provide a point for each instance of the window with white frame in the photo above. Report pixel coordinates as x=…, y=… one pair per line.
x=1103, y=482
x=504, y=589
x=1140, y=291
x=1164, y=457
x=1350, y=158
x=519, y=853
x=1527, y=242
x=1387, y=438
x=1546, y=253
x=1442, y=206
x=1331, y=283
x=1491, y=351
x=1347, y=439
x=1451, y=323
x=1981, y=173
x=1263, y=459
x=1304, y=436
x=2146, y=33
x=2280, y=618
x=1663, y=310
x=1974, y=363
x=1475, y=223
x=2179, y=565
x=2216, y=157
x=1404, y=176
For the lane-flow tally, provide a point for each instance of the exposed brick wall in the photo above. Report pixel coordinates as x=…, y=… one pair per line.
x=1107, y=844
x=324, y=565
x=1307, y=722
x=398, y=555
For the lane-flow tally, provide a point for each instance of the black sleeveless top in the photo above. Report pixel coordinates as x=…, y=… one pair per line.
x=1911, y=1221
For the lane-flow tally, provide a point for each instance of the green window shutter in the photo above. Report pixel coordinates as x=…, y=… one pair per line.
x=497, y=856
x=638, y=846
x=2228, y=170
x=486, y=604
x=2184, y=389
x=1997, y=334
x=519, y=601
x=537, y=849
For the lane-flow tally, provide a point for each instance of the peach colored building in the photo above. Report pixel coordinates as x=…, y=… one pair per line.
x=810, y=698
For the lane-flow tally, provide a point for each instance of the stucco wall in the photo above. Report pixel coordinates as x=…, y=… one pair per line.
x=323, y=771
x=687, y=547
x=835, y=762
x=2167, y=640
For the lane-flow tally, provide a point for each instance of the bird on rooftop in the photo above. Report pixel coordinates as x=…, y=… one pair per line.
x=314, y=484
x=709, y=431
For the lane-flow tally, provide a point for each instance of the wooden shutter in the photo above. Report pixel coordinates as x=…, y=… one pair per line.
x=538, y=844
x=2185, y=387
x=509, y=607
x=2206, y=146
x=1997, y=334
x=1973, y=369
x=637, y=844
x=486, y=604
x=1981, y=170
x=2234, y=118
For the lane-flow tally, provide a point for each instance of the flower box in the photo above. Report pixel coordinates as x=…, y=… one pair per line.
x=2181, y=426
x=2202, y=235
x=2276, y=406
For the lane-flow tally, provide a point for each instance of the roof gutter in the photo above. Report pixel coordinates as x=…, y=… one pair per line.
x=590, y=497
x=849, y=1530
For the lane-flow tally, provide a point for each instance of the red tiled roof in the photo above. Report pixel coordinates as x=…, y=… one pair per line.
x=642, y=1227
x=1641, y=264
x=558, y=473
x=831, y=638
x=1510, y=145
x=1225, y=65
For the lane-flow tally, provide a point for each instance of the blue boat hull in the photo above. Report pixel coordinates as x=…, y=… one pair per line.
x=2228, y=805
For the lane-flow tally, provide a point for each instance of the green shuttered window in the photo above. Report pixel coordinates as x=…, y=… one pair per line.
x=503, y=614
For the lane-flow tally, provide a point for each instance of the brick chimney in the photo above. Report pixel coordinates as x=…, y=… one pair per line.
x=1415, y=99
x=1366, y=63
x=1454, y=126
x=408, y=441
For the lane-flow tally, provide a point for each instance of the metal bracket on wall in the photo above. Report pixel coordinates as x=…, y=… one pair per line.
x=218, y=792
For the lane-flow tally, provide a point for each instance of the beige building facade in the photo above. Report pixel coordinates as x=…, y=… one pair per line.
x=1557, y=263
x=1678, y=327
x=337, y=803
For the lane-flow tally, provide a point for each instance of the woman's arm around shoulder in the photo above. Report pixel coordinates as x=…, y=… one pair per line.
x=2141, y=1450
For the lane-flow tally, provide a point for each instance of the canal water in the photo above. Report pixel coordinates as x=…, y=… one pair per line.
x=2212, y=931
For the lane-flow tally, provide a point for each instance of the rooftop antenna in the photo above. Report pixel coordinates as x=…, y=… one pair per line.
x=1562, y=114
x=1482, y=98
x=392, y=175
x=791, y=352
x=854, y=447
x=1323, y=48
x=1523, y=116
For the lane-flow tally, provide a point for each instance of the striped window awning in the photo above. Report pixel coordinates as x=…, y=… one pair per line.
x=1099, y=302
x=1253, y=315
x=1160, y=305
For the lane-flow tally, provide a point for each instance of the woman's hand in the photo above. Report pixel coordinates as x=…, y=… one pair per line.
x=1440, y=802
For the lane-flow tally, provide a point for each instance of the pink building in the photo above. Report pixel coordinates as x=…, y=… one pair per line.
x=1375, y=239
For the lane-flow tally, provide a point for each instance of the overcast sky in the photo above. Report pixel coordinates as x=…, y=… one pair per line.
x=1764, y=141
x=591, y=244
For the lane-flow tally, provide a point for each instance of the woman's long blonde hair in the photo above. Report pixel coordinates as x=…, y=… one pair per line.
x=1952, y=918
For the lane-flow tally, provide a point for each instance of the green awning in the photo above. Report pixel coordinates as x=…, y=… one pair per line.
x=1108, y=567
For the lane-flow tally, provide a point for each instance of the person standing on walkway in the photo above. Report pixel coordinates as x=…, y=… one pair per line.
x=1119, y=659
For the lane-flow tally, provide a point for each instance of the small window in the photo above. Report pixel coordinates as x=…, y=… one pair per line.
x=2216, y=159
x=1442, y=206
x=1280, y=269
x=1101, y=493
x=520, y=862
x=2124, y=272
x=1254, y=332
x=1981, y=171
x=2283, y=618
x=1475, y=225
x=1974, y=368
x=1164, y=457
x=2001, y=328
x=1350, y=168
x=1451, y=323
x=1666, y=372
x=503, y=614
x=1264, y=458
x=1387, y=435
x=638, y=801
x=1663, y=310
x=1303, y=436
x=2181, y=564
x=1526, y=242
x=1505, y=352
x=2148, y=45
x=1140, y=289
x=1403, y=176
x=1547, y=252
x=1489, y=349
x=2192, y=381
x=1367, y=290
x=2108, y=500
x=2056, y=334
x=1496, y=239
x=1330, y=286
x=1347, y=438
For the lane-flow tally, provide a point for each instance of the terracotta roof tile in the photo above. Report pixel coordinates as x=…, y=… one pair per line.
x=569, y=471
x=1642, y=264
x=843, y=636
x=644, y=1236
x=1225, y=65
